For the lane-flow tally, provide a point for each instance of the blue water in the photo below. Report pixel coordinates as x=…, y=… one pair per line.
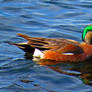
x=42, y=18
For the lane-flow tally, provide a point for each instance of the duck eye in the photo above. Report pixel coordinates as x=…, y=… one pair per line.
x=90, y=41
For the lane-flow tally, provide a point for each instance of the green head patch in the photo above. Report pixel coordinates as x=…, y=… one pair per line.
x=87, y=29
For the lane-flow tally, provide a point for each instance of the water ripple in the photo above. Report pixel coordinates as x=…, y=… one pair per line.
x=41, y=18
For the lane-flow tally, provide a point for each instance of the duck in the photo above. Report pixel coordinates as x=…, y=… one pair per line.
x=51, y=51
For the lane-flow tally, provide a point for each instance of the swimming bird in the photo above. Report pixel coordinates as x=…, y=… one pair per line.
x=57, y=50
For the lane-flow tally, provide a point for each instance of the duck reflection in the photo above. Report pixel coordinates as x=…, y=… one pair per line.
x=81, y=70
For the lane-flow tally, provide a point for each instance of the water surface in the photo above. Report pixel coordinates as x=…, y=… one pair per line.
x=42, y=18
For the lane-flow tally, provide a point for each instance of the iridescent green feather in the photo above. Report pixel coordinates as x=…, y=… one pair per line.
x=88, y=28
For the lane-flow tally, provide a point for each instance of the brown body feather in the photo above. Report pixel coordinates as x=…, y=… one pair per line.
x=56, y=49
x=48, y=44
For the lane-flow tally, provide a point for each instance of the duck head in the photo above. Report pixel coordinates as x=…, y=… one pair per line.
x=87, y=34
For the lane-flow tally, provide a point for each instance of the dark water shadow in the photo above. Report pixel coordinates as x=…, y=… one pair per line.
x=80, y=70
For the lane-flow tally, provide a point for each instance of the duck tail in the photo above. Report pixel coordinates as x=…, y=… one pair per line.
x=24, y=36
x=24, y=46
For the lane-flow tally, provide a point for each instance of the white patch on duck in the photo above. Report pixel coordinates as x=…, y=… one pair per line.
x=68, y=53
x=38, y=54
x=23, y=43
